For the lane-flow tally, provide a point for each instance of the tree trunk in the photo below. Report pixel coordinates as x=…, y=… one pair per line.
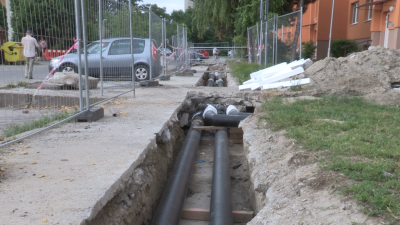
x=296, y=34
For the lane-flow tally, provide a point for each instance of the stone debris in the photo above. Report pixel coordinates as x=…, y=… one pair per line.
x=71, y=80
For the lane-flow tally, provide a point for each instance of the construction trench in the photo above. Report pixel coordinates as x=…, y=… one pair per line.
x=197, y=173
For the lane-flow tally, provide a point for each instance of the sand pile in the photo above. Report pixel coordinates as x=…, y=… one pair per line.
x=371, y=71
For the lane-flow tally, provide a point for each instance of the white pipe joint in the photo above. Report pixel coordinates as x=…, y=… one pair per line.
x=230, y=109
x=210, y=108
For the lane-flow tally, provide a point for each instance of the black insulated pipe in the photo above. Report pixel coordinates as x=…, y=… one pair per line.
x=220, y=82
x=233, y=111
x=170, y=207
x=220, y=109
x=212, y=118
x=210, y=82
x=220, y=207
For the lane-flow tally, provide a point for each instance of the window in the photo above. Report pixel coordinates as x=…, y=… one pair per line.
x=94, y=48
x=369, y=10
x=122, y=47
x=355, y=13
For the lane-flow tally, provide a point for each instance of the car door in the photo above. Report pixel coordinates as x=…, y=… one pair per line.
x=118, y=61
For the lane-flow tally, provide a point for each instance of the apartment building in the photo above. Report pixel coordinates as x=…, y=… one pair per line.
x=369, y=22
x=188, y=3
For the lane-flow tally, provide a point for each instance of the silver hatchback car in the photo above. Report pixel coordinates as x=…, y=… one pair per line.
x=117, y=61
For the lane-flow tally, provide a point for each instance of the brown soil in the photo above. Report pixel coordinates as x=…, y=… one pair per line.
x=372, y=73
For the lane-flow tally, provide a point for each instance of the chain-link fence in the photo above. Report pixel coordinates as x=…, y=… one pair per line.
x=33, y=33
x=46, y=45
x=287, y=44
x=279, y=39
x=253, y=38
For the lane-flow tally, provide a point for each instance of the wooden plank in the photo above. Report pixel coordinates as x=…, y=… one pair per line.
x=235, y=130
x=204, y=215
x=242, y=216
x=236, y=141
x=195, y=214
x=207, y=128
x=235, y=136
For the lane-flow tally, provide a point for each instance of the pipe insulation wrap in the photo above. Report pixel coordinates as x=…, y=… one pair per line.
x=220, y=206
x=170, y=207
x=210, y=82
x=230, y=109
x=212, y=118
x=210, y=108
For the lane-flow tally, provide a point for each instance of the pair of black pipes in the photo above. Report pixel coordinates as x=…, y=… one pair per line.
x=170, y=207
x=210, y=81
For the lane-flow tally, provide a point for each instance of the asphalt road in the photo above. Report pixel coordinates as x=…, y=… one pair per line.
x=12, y=74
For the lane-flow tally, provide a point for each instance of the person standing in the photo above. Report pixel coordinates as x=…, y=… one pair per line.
x=29, y=44
x=215, y=53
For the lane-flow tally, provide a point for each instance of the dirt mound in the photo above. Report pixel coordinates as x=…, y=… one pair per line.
x=366, y=72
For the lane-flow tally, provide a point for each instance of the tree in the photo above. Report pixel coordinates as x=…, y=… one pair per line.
x=3, y=17
x=160, y=12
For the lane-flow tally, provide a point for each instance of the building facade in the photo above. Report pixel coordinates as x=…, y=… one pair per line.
x=188, y=3
x=368, y=22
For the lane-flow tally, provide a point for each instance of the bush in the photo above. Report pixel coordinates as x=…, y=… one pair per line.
x=309, y=49
x=338, y=51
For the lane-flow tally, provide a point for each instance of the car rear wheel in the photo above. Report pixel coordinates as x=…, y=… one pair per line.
x=142, y=72
x=68, y=68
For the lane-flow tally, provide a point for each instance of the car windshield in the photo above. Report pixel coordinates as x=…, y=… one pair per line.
x=94, y=48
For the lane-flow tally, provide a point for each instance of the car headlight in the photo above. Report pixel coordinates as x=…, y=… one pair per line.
x=54, y=62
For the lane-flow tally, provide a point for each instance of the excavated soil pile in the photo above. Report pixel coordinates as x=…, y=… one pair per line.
x=367, y=72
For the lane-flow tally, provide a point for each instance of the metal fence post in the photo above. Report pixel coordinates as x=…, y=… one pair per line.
x=78, y=37
x=301, y=28
x=162, y=45
x=84, y=28
x=101, y=46
x=151, y=43
x=273, y=42
x=248, y=45
x=132, y=48
x=260, y=43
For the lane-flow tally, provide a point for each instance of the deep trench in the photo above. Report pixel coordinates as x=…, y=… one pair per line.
x=137, y=197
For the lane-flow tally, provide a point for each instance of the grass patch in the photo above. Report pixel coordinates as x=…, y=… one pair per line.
x=15, y=129
x=22, y=83
x=241, y=70
x=11, y=85
x=362, y=138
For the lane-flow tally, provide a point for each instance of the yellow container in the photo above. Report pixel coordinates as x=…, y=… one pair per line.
x=13, y=52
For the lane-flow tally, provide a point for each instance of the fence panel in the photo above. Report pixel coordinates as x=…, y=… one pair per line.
x=287, y=50
x=30, y=97
x=253, y=43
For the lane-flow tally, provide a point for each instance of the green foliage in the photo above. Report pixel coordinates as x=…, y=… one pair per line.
x=309, y=49
x=241, y=71
x=338, y=51
x=361, y=138
x=3, y=17
x=15, y=129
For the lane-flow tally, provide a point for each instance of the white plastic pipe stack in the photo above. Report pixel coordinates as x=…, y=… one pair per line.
x=269, y=69
x=286, y=83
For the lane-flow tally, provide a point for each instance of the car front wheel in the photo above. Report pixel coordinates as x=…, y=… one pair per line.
x=68, y=68
x=142, y=72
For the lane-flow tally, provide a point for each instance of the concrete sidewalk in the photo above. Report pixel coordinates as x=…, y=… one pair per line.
x=68, y=174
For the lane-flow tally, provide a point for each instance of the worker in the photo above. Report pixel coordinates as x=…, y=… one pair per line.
x=29, y=44
x=215, y=53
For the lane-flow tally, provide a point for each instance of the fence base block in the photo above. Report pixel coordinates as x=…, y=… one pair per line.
x=93, y=114
x=186, y=72
x=149, y=83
